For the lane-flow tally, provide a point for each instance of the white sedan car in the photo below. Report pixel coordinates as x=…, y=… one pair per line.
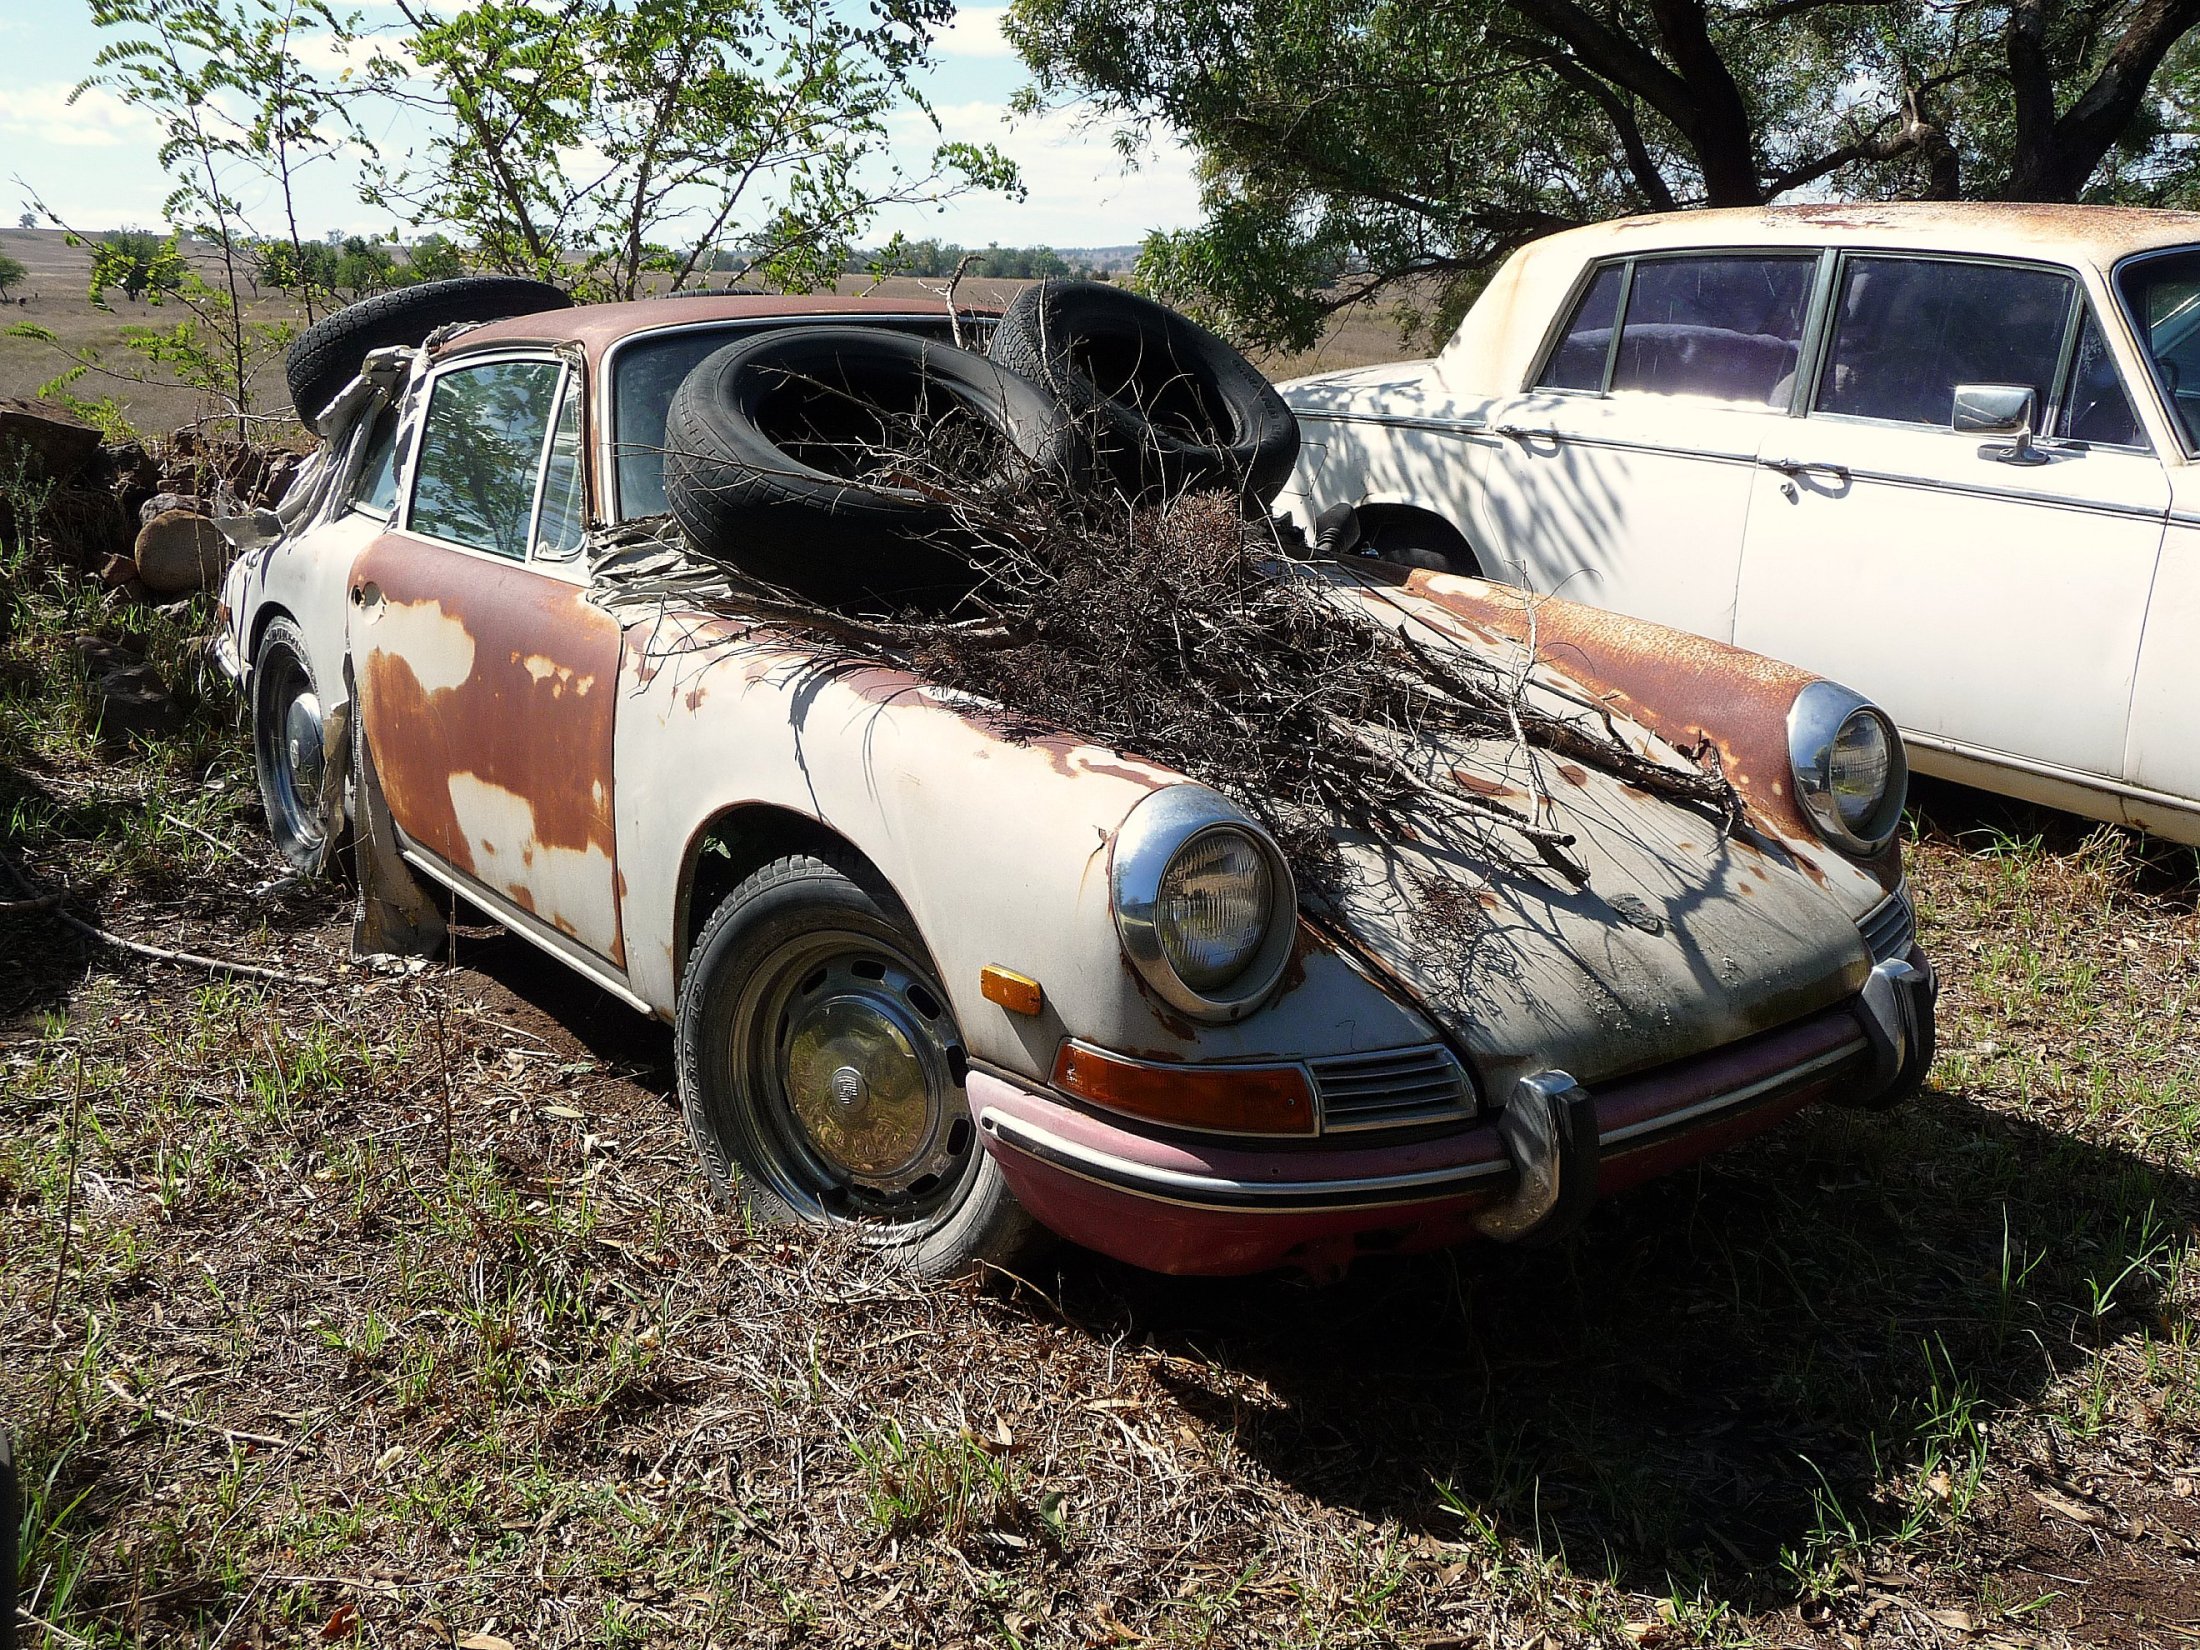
x=1946, y=453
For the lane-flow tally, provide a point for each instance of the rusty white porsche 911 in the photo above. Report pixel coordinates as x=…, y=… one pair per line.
x=948, y=984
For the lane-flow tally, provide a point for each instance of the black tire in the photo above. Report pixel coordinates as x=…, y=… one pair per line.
x=286, y=744
x=1411, y=538
x=771, y=458
x=809, y=966
x=1174, y=407
x=327, y=354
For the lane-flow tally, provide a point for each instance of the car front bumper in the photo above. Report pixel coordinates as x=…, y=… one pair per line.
x=1184, y=1205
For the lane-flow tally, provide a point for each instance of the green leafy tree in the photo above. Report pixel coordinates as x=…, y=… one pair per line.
x=1352, y=144
x=431, y=258
x=239, y=112
x=12, y=273
x=582, y=140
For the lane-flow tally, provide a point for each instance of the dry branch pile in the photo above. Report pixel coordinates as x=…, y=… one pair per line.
x=1181, y=631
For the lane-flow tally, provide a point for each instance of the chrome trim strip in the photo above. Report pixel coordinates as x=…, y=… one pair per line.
x=2077, y=778
x=519, y=922
x=1763, y=1088
x=1217, y=1192
x=1396, y=421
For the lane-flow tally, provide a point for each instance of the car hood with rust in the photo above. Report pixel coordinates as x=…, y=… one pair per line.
x=1684, y=935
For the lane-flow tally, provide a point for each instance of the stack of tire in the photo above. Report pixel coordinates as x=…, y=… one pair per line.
x=776, y=446
x=1081, y=381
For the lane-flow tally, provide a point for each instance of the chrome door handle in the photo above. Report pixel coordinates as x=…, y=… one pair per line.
x=1793, y=467
x=1520, y=432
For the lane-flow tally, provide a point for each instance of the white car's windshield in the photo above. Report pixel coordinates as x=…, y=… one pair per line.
x=2162, y=296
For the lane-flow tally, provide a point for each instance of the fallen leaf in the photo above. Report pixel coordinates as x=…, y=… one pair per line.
x=1956, y=1621
x=389, y=1458
x=484, y=1641
x=342, y=1624
x=2076, y=1511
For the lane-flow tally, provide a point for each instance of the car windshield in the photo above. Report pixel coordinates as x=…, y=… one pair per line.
x=644, y=374
x=2162, y=297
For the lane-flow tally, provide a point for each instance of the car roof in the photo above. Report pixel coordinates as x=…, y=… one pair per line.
x=596, y=327
x=2096, y=234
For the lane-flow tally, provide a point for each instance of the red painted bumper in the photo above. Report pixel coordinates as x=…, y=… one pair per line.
x=1183, y=1205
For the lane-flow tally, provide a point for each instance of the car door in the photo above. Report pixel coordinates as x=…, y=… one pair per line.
x=1623, y=474
x=487, y=681
x=1993, y=605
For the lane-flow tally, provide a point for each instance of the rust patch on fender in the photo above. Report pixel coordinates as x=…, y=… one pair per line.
x=1688, y=690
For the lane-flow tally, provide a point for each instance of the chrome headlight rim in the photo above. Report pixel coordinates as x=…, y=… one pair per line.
x=1815, y=721
x=1156, y=832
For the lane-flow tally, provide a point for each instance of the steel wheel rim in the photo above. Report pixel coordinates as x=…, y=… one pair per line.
x=853, y=1068
x=290, y=740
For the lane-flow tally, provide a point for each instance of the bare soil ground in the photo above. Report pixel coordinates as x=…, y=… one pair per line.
x=391, y=1310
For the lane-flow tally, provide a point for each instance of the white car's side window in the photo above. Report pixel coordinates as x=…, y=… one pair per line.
x=1585, y=349
x=1907, y=331
x=1727, y=327
x=2096, y=408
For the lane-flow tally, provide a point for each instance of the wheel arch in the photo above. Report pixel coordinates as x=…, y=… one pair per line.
x=1380, y=509
x=737, y=841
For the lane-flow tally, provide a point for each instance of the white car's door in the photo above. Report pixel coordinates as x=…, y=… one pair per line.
x=1993, y=606
x=1622, y=475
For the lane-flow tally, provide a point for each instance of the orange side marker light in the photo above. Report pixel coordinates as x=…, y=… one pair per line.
x=1018, y=993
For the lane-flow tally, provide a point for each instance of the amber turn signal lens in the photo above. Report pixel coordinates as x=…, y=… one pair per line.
x=1227, y=1099
x=1018, y=993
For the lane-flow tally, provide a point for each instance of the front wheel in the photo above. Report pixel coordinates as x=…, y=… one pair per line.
x=287, y=747
x=821, y=1074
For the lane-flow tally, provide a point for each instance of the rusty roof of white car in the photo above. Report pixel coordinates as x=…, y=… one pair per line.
x=2099, y=234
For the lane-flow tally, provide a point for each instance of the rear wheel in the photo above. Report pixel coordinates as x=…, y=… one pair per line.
x=286, y=745
x=822, y=1073
x=1413, y=538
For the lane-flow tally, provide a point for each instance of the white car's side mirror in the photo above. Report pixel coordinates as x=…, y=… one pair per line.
x=1999, y=409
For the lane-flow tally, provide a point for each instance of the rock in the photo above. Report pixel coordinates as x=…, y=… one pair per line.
x=63, y=443
x=161, y=503
x=180, y=551
x=117, y=571
x=124, y=595
x=282, y=470
x=129, y=700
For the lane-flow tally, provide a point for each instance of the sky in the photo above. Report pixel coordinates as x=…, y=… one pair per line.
x=93, y=163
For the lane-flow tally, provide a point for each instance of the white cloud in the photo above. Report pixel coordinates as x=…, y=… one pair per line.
x=1080, y=192
x=975, y=32
x=97, y=120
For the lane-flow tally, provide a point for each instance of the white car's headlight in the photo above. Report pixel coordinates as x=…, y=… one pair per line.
x=1203, y=902
x=1850, y=773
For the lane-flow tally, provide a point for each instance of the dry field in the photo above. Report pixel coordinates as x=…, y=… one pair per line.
x=387, y=1309
x=154, y=403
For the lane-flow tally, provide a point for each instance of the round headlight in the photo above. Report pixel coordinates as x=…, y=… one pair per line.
x=1216, y=897
x=1203, y=903
x=1850, y=773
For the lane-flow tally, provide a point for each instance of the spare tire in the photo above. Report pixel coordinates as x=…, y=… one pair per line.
x=1173, y=406
x=780, y=457
x=327, y=354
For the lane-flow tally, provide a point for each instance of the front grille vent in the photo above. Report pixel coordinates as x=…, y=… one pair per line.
x=1890, y=927
x=1393, y=1088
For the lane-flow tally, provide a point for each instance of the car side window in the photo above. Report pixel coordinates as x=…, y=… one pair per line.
x=1728, y=327
x=2095, y=408
x=558, y=529
x=375, y=489
x=1907, y=331
x=1578, y=361
x=481, y=450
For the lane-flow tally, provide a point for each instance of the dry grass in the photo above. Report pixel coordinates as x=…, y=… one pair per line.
x=394, y=1313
